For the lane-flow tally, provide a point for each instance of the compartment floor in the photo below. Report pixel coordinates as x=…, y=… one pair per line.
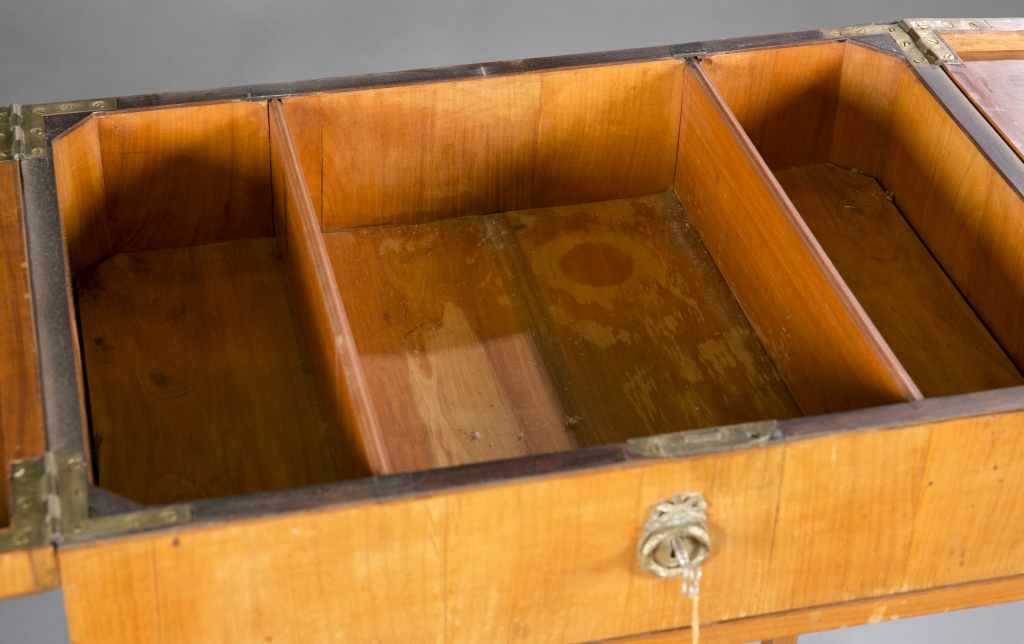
x=197, y=387
x=495, y=336
x=929, y=326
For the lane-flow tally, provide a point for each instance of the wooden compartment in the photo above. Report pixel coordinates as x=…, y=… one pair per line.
x=196, y=381
x=920, y=226
x=520, y=276
x=276, y=288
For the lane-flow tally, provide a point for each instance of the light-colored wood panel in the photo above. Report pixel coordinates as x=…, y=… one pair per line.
x=795, y=528
x=973, y=46
x=968, y=524
x=785, y=98
x=186, y=176
x=196, y=385
x=921, y=315
x=867, y=93
x=607, y=132
x=964, y=211
x=29, y=570
x=305, y=123
x=453, y=368
x=846, y=614
x=78, y=167
x=996, y=87
x=419, y=153
x=354, y=429
x=22, y=434
x=540, y=560
x=824, y=346
x=845, y=517
x=651, y=337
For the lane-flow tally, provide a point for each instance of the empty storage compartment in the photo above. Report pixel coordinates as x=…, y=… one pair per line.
x=514, y=273
x=196, y=381
x=922, y=229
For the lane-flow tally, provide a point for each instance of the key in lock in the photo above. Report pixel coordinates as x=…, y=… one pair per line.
x=675, y=539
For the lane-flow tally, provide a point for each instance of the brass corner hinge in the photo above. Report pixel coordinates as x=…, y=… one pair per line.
x=916, y=37
x=51, y=505
x=23, y=127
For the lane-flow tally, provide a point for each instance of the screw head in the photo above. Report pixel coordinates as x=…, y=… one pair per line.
x=19, y=472
x=38, y=131
x=861, y=30
x=97, y=104
x=919, y=60
x=904, y=43
x=972, y=24
x=948, y=57
x=134, y=522
x=37, y=152
x=40, y=110
x=78, y=528
x=890, y=29
x=21, y=538
x=837, y=33
x=933, y=41
x=947, y=25
x=66, y=107
x=24, y=503
x=168, y=516
x=75, y=462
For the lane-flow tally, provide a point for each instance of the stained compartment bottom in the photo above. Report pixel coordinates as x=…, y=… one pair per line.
x=495, y=336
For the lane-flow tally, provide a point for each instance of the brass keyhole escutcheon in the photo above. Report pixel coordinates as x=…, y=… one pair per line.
x=673, y=523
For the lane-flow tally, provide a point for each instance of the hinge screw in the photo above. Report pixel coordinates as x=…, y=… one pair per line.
x=947, y=25
x=19, y=472
x=948, y=57
x=168, y=516
x=75, y=462
x=860, y=30
x=40, y=110
x=904, y=43
x=78, y=528
x=21, y=538
x=37, y=152
x=933, y=41
x=891, y=29
x=837, y=33
x=919, y=60
x=38, y=131
x=24, y=503
x=972, y=24
x=66, y=107
x=97, y=104
x=3, y=155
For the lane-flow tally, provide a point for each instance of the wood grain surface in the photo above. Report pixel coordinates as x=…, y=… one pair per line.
x=795, y=527
x=972, y=46
x=607, y=132
x=419, y=153
x=829, y=353
x=78, y=167
x=196, y=384
x=498, y=336
x=843, y=615
x=186, y=176
x=964, y=211
x=28, y=570
x=325, y=332
x=932, y=330
x=785, y=98
x=22, y=434
x=996, y=87
x=423, y=152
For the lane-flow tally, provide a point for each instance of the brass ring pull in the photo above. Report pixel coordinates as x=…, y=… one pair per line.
x=676, y=523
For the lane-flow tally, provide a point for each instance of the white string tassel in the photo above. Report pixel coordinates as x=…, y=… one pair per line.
x=690, y=585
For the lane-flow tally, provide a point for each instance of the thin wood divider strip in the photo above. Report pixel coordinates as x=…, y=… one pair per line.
x=823, y=343
x=322, y=314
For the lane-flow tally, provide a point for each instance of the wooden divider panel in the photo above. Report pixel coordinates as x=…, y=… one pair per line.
x=21, y=405
x=827, y=350
x=186, y=176
x=354, y=429
x=29, y=570
x=78, y=167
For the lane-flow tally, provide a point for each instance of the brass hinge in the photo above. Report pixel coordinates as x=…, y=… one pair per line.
x=51, y=505
x=704, y=441
x=916, y=37
x=23, y=127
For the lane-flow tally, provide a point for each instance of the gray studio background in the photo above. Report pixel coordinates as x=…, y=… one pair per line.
x=52, y=51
